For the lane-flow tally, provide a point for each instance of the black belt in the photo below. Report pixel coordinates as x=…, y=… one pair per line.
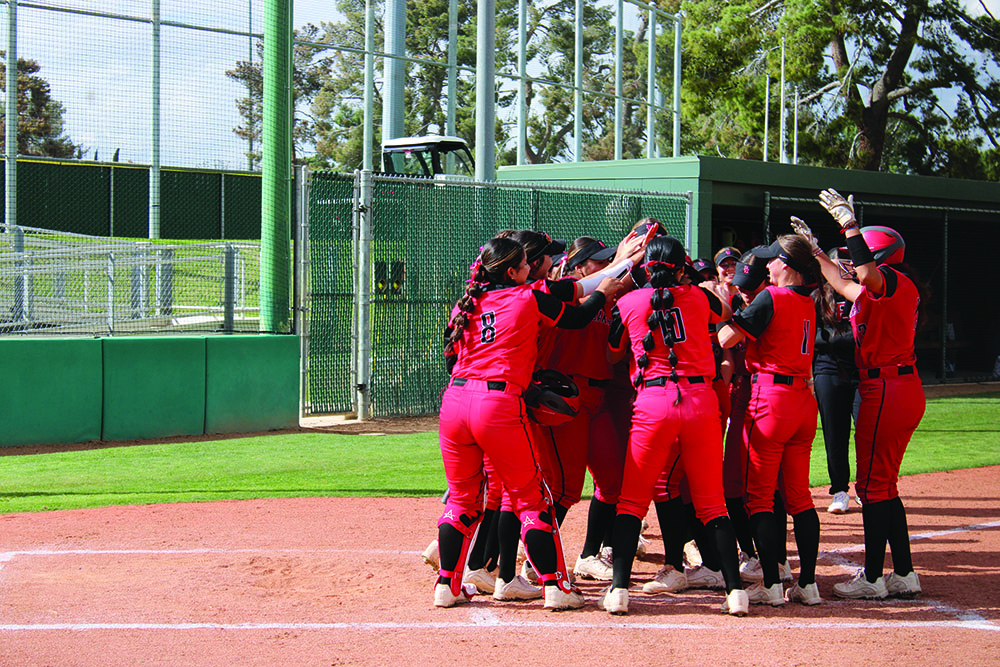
x=492, y=385
x=778, y=379
x=888, y=371
x=598, y=383
x=662, y=381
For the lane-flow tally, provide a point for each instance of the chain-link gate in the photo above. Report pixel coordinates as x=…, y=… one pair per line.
x=393, y=253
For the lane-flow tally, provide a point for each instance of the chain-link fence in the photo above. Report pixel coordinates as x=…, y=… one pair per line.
x=57, y=283
x=412, y=253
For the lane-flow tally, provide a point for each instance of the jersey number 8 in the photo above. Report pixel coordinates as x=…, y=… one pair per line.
x=489, y=330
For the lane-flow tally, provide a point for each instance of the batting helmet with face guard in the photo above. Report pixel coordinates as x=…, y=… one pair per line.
x=552, y=398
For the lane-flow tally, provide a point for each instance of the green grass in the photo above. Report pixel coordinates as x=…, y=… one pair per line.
x=957, y=432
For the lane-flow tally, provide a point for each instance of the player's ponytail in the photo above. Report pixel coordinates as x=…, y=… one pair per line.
x=665, y=258
x=489, y=268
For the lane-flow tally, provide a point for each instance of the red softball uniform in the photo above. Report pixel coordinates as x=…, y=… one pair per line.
x=590, y=439
x=671, y=436
x=780, y=421
x=482, y=413
x=892, y=397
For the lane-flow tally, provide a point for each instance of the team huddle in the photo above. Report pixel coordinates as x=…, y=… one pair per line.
x=685, y=384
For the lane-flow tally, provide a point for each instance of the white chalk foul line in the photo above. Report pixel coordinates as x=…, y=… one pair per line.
x=9, y=555
x=477, y=624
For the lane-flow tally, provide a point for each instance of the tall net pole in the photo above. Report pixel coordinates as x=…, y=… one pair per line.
x=276, y=165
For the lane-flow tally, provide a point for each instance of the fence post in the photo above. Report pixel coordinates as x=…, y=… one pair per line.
x=165, y=282
x=301, y=290
x=110, y=315
x=944, y=302
x=21, y=281
x=229, y=288
x=363, y=378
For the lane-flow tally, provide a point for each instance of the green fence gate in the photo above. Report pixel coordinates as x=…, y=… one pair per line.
x=388, y=257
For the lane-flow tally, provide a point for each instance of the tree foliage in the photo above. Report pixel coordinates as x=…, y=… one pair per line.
x=884, y=85
x=39, y=117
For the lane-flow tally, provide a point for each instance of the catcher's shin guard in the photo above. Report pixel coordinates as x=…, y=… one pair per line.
x=466, y=525
x=532, y=520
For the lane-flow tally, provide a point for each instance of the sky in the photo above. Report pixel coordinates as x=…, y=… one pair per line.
x=98, y=68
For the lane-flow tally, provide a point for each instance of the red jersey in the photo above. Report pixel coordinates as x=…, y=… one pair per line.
x=693, y=310
x=500, y=341
x=884, y=327
x=780, y=325
x=583, y=351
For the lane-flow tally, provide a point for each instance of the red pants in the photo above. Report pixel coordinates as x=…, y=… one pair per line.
x=589, y=441
x=733, y=472
x=675, y=439
x=779, y=429
x=891, y=410
x=476, y=422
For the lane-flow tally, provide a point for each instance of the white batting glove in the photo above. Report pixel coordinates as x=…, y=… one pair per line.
x=802, y=229
x=841, y=209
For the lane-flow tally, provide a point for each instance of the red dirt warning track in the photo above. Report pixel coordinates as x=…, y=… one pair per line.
x=335, y=581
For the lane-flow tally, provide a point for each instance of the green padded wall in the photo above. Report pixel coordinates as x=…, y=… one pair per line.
x=252, y=383
x=50, y=391
x=153, y=387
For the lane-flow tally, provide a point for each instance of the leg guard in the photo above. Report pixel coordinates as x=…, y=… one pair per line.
x=533, y=520
x=466, y=527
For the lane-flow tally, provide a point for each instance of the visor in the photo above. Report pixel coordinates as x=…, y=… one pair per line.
x=596, y=251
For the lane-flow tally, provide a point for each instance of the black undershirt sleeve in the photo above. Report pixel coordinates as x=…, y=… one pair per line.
x=569, y=317
x=617, y=329
x=891, y=281
x=564, y=290
x=754, y=318
x=713, y=302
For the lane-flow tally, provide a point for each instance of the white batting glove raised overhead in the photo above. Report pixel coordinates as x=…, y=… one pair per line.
x=802, y=229
x=841, y=209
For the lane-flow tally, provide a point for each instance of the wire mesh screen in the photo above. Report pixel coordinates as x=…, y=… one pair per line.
x=57, y=283
x=425, y=233
x=331, y=293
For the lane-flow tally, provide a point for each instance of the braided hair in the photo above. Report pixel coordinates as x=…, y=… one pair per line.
x=665, y=258
x=490, y=268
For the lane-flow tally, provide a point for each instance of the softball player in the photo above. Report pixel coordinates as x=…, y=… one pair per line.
x=780, y=422
x=675, y=424
x=491, y=351
x=884, y=320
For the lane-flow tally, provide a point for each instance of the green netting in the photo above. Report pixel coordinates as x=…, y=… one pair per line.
x=331, y=293
x=425, y=235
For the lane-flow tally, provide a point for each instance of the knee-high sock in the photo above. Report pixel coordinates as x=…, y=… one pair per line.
x=561, y=513
x=765, y=536
x=600, y=517
x=492, y=551
x=670, y=515
x=875, y=517
x=705, y=542
x=807, y=540
x=741, y=524
x=723, y=538
x=899, y=537
x=508, y=534
x=477, y=555
x=781, y=526
x=542, y=547
x=627, y=529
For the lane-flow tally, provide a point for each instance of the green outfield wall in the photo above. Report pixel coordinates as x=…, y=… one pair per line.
x=73, y=390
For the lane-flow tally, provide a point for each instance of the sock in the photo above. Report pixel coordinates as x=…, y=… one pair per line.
x=723, y=538
x=899, y=538
x=807, y=540
x=875, y=517
x=781, y=526
x=561, y=513
x=670, y=515
x=542, y=548
x=508, y=534
x=706, y=545
x=492, y=550
x=450, y=543
x=477, y=554
x=627, y=529
x=599, y=517
x=741, y=524
x=764, y=532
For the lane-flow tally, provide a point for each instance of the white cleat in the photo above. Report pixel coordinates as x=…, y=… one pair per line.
x=840, y=504
x=517, y=588
x=593, y=567
x=481, y=579
x=807, y=595
x=858, y=587
x=736, y=603
x=667, y=580
x=431, y=557
x=761, y=594
x=614, y=601
x=556, y=599
x=902, y=587
x=443, y=597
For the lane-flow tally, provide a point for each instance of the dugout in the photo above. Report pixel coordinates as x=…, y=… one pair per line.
x=949, y=226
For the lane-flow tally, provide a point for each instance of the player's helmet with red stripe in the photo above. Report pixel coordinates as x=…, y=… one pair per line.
x=885, y=243
x=552, y=398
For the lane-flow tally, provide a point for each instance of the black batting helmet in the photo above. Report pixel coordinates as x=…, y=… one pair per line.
x=552, y=398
